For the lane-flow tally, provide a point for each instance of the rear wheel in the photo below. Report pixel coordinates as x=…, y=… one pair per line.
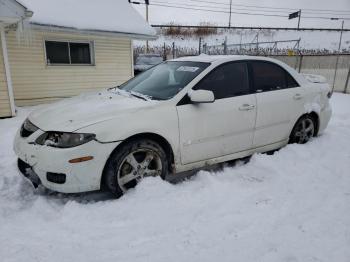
x=303, y=130
x=133, y=161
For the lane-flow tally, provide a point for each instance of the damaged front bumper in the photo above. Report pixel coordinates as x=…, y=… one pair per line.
x=52, y=168
x=28, y=172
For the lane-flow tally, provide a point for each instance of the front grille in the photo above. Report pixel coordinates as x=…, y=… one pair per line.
x=28, y=128
x=56, y=178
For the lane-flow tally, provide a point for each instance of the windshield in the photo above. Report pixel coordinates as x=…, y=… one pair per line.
x=165, y=80
x=149, y=60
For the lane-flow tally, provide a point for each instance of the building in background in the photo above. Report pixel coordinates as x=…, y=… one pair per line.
x=53, y=49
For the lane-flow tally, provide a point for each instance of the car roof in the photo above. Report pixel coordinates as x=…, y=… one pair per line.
x=221, y=58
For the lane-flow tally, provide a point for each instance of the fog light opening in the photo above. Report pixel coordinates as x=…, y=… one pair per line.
x=80, y=159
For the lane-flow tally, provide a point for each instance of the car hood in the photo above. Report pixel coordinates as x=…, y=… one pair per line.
x=87, y=109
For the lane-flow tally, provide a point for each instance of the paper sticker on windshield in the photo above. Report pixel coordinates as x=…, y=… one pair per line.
x=191, y=69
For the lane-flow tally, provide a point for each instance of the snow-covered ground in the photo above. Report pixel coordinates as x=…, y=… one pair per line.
x=290, y=206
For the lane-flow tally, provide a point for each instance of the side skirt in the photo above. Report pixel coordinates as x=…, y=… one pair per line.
x=241, y=154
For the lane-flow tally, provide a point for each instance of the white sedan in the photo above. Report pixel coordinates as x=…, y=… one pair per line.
x=181, y=115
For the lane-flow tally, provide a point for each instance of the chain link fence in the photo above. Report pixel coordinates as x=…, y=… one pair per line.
x=335, y=67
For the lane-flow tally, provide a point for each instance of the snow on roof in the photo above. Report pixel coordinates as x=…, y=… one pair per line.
x=211, y=58
x=116, y=16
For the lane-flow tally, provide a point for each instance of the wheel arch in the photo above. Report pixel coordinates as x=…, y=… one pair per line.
x=315, y=118
x=146, y=135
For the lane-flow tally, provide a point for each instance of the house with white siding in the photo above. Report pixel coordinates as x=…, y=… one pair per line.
x=53, y=49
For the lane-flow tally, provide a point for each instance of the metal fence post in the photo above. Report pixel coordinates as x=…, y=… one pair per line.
x=164, y=52
x=225, y=46
x=335, y=72
x=200, y=46
x=173, y=49
x=336, y=63
x=347, y=81
x=300, y=63
x=296, y=61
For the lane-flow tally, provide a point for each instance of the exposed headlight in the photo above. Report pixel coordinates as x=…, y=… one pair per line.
x=63, y=140
x=28, y=128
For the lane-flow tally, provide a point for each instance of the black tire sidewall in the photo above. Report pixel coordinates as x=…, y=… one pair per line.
x=110, y=179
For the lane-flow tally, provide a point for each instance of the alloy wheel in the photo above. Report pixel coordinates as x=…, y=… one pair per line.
x=304, y=131
x=137, y=165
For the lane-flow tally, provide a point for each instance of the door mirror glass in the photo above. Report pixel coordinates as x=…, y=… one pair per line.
x=201, y=96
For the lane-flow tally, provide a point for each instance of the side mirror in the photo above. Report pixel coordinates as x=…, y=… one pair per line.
x=201, y=96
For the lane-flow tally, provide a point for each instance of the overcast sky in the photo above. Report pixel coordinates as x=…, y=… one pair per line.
x=163, y=15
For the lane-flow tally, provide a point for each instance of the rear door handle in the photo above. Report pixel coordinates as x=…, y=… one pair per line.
x=297, y=96
x=246, y=107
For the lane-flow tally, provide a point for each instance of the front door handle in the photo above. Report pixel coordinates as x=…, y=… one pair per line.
x=246, y=107
x=297, y=96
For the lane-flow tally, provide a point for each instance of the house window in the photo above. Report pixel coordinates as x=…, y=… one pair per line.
x=68, y=53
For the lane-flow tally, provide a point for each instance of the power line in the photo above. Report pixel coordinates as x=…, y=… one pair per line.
x=244, y=9
x=216, y=7
x=247, y=13
x=215, y=11
x=271, y=7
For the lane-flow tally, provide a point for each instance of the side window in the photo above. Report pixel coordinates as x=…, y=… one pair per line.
x=291, y=81
x=268, y=76
x=227, y=80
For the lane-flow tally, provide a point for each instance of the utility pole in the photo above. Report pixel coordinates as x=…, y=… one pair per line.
x=229, y=21
x=299, y=19
x=147, y=4
x=339, y=46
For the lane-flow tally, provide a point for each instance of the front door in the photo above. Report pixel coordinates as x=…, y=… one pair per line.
x=223, y=127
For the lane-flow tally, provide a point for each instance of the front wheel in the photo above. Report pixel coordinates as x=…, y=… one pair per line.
x=303, y=130
x=132, y=162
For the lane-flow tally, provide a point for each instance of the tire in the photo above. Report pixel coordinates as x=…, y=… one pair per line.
x=131, y=162
x=303, y=130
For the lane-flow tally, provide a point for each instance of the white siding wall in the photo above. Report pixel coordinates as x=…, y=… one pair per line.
x=36, y=82
x=5, y=109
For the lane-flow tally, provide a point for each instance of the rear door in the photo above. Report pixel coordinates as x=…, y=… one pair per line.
x=279, y=101
x=223, y=127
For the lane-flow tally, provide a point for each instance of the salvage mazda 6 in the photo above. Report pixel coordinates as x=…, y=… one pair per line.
x=180, y=115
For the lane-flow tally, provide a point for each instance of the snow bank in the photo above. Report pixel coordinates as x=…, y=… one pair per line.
x=291, y=206
x=104, y=15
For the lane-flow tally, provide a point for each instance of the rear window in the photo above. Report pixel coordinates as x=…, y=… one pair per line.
x=268, y=76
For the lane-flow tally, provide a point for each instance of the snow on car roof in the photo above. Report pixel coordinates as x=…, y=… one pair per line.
x=212, y=58
x=103, y=15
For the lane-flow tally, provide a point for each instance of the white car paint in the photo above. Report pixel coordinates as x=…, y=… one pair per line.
x=205, y=132
x=199, y=134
